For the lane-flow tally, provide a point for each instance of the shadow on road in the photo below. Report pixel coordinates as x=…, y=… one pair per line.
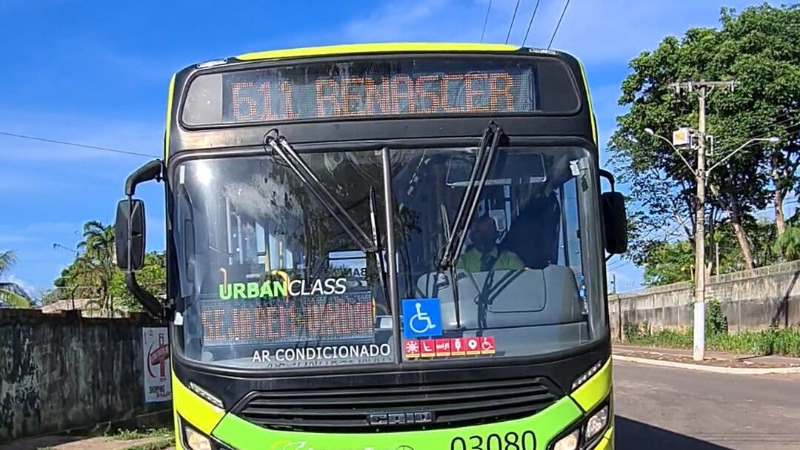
x=633, y=435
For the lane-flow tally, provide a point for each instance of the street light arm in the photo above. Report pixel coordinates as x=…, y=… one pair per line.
x=674, y=149
x=728, y=156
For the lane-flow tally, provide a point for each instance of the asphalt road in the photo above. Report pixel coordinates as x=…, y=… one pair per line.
x=663, y=408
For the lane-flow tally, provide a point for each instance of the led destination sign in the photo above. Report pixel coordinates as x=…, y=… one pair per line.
x=312, y=318
x=364, y=89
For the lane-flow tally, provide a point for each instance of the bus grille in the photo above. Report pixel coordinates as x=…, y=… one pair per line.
x=410, y=407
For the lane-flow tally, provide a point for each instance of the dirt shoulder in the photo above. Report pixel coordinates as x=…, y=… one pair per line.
x=157, y=441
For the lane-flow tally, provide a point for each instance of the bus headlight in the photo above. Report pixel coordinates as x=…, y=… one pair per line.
x=586, y=433
x=569, y=442
x=597, y=423
x=195, y=440
x=208, y=396
x=586, y=375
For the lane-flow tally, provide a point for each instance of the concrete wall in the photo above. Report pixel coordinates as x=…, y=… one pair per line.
x=63, y=371
x=751, y=300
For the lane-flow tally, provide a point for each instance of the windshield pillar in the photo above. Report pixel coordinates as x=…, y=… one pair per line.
x=394, y=301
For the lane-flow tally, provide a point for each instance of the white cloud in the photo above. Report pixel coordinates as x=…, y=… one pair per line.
x=145, y=138
x=33, y=231
x=31, y=290
x=611, y=31
x=13, y=238
x=398, y=20
x=90, y=48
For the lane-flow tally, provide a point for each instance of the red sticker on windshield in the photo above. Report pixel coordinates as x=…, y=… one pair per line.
x=428, y=347
x=457, y=347
x=411, y=348
x=487, y=345
x=442, y=347
x=473, y=346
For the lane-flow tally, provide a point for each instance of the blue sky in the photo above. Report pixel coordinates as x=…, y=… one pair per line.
x=97, y=72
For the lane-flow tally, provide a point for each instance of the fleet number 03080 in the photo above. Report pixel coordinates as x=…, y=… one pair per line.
x=493, y=441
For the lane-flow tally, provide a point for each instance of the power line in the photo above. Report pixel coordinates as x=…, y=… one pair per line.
x=486, y=20
x=512, y=21
x=530, y=22
x=619, y=264
x=786, y=122
x=558, y=25
x=75, y=144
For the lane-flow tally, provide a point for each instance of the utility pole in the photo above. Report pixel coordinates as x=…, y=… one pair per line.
x=619, y=305
x=703, y=88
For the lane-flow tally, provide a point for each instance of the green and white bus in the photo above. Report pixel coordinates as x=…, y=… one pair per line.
x=384, y=247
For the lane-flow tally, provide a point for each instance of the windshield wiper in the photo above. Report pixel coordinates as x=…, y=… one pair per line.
x=281, y=146
x=469, y=202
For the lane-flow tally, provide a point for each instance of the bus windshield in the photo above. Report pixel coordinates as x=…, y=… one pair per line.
x=269, y=280
x=525, y=279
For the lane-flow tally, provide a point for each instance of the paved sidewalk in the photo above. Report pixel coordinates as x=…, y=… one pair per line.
x=712, y=358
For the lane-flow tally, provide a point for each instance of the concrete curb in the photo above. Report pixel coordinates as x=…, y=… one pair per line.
x=714, y=369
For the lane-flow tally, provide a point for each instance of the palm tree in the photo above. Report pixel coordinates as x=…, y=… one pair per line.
x=788, y=243
x=97, y=260
x=7, y=260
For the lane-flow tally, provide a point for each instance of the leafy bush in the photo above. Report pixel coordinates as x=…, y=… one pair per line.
x=772, y=341
x=716, y=322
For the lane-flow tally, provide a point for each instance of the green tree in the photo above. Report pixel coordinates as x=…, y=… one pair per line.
x=7, y=260
x=96, y=262
x=152, y=277
x=756, y=49
x=93, y=274
x=668, y=262
x=788, y=243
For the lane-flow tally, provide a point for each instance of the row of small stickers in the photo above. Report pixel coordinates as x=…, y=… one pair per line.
x=430, y=348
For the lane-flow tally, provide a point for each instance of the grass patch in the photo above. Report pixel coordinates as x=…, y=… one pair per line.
x=158, y=445
x=129, y=435
x=772, y=341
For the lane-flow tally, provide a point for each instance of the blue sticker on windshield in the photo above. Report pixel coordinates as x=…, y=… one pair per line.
x=422, y=318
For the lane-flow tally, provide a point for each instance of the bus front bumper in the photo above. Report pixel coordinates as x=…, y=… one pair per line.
x=215, y=429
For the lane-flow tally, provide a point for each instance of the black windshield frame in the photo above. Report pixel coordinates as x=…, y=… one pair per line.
x=389, y=206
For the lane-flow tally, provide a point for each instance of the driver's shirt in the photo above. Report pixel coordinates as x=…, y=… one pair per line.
x=475, y=261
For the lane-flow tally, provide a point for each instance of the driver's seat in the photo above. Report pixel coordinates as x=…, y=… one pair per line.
x=533, y=236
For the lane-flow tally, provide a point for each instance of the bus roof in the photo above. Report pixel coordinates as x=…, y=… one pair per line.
x=349, y=49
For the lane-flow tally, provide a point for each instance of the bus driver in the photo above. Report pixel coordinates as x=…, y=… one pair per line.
x=484, y=255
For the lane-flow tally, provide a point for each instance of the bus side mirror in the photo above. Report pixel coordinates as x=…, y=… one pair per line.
x=616, y=223
x=129, y=227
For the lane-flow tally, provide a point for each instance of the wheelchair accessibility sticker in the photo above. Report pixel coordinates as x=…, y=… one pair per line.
x=422, y=317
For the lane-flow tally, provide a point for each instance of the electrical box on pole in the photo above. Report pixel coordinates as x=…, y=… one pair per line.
x=682, y=137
